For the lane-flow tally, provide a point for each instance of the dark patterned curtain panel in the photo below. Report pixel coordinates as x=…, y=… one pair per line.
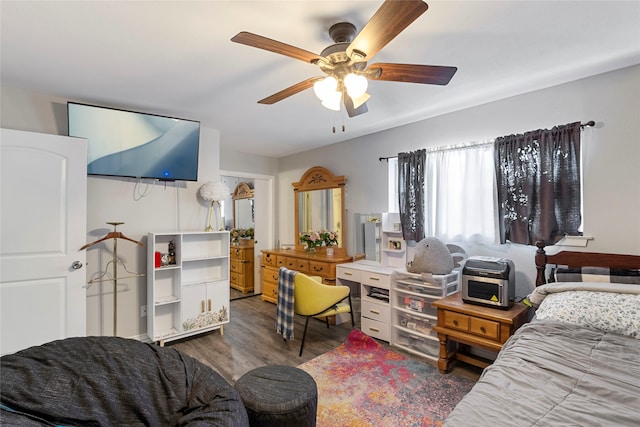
x=538, y=178
x=411, y=193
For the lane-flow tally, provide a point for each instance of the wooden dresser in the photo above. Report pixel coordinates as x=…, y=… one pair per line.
x=241, y=271
x=317, y=264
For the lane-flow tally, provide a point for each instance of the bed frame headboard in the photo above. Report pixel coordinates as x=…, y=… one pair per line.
x=581, y=259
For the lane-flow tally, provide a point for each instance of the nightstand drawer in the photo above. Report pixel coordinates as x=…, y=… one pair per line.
x=455, y=320
x=484, y=328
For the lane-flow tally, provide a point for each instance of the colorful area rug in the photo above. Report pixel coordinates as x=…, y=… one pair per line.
x=362, y=383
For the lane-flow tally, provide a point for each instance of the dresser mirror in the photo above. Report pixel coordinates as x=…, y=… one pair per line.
x=320, y=205
x=243, y=208
x=368, y=237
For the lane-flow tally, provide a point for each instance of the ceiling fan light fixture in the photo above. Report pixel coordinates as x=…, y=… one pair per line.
x=325, y=88
x=356, y=85
x=357, y=102
x=332, y=101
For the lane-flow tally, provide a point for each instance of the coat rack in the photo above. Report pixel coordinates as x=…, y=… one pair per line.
x=115, y=235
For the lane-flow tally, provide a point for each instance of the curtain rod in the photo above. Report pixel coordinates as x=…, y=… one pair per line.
x=590, y=123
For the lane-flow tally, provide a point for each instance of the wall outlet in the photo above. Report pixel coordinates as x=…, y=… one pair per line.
x=143, y=311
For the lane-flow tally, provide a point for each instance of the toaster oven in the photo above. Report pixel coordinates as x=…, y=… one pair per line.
x=488, y=281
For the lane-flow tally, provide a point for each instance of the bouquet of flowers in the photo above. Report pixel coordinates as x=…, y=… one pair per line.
x=311, y=239
x=247, y=233
x=330, y=238
x=238, y=233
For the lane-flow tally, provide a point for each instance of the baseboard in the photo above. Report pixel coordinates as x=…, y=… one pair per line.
x=141, y=337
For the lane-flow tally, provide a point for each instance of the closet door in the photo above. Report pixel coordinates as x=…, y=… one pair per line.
x=43, y=196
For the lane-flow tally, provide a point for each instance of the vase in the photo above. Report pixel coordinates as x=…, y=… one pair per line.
x=329, y=251
x=311, y=249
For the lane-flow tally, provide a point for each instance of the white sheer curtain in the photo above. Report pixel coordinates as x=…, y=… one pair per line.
x=460, y=193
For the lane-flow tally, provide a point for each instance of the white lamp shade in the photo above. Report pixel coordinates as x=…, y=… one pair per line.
x=324, y=88
x=356, y=85
x=332, y=101
x=214, y=191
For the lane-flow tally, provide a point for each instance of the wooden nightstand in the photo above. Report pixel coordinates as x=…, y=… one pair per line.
x=473, y=325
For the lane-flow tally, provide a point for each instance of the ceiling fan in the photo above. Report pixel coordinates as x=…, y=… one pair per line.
x=345, y=61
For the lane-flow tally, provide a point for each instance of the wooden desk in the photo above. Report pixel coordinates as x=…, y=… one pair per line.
x=474, y=326
x=317, y=264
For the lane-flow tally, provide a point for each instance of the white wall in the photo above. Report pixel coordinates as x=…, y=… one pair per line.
x=611, y=162
x=142, y=206
x=611, y=153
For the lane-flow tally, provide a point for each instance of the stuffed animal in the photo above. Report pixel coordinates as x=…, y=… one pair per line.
x=431, y=256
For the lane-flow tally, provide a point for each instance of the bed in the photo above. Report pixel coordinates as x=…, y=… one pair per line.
x=577, y=363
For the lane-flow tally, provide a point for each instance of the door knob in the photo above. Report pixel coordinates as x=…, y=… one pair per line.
x=76, y=265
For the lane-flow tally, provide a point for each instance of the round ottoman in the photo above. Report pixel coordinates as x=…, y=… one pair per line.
x=279, y=396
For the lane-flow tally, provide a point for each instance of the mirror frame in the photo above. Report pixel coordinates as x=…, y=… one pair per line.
x=242, y=191
x=320, y=178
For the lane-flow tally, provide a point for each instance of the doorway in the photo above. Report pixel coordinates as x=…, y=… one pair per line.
x=263, y=205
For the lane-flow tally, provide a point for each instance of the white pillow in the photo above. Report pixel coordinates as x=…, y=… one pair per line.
x=609, y=312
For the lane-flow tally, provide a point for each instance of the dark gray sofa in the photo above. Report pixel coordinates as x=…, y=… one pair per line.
x=109, y=381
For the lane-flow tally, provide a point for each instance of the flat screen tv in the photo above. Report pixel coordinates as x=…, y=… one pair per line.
x=137, y=145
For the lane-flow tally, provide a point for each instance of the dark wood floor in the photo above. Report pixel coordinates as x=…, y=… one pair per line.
x=250, y=341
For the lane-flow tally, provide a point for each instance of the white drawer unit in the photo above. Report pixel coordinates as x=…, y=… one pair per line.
x=412, y=315
x=373, y=283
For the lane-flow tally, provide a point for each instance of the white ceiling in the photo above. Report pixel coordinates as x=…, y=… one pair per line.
x=176, y=58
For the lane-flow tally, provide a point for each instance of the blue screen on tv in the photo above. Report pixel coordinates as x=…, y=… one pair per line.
x=138, y=145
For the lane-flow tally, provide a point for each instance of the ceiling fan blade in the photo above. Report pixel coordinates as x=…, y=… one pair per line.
x=351, y=110
x=291, y=90
x=426, y=74
x=388, y=21
x=265, y=43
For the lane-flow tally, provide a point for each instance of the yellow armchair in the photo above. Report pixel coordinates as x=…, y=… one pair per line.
x=312, y=298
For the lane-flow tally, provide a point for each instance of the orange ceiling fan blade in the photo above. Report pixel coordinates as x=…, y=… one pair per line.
x=388, y=21
x=291, y=90
x=410, y=73
x=265, y=43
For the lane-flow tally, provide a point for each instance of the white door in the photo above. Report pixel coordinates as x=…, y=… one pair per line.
x=263, y=208
x=43, y=201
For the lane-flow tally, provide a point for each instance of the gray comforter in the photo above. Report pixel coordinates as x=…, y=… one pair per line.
x=557, y=374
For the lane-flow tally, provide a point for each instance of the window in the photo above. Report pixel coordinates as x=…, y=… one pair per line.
x=539, y=190
x=533, y=192
x=459, y=192
x=393, y=185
